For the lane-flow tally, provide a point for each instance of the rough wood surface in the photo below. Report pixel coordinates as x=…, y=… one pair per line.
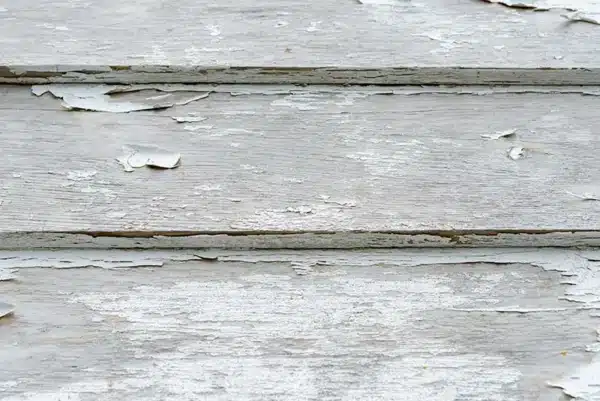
x=311, y=161
x=301, y=76
x=39, y=38
x=412, y=325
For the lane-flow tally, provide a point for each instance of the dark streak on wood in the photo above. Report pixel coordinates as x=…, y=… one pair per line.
x=450, y=75
x=453, y=235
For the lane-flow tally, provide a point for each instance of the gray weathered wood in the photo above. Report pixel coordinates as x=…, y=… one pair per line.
x=388, y=325
x=39, y=38
x=301, y=76
x=308, y=162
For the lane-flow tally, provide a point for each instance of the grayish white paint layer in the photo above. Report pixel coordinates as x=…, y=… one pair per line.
x=429, y=325
x=306, y=162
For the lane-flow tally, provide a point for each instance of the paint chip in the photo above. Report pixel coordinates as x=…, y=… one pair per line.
x=189, y=119
x=516, y=152
x=511, y=133
x=579, y=11
x=586, y=196
x=516, y=4
x=81, y=175
x=193, y=128
x=6, y=309
x=299, y=210
x=136, y=156
x=7, y=275
x=102, y=98
x=578, y=16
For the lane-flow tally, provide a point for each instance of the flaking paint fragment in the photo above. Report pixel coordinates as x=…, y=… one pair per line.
x=189, y=119
x=299, y=210
x=583, y=384
x=82, y=259
x=196, y=127
x=578, y=16
x=6, y=309
x=346, y=203
x=579, y=11
x=586, y=196
x=116, y=99
x=137, y=156
x=515, y=152
x=511, y=133
x=7, y=274
x=528, y=5
x=81, y=175
x=514, y=310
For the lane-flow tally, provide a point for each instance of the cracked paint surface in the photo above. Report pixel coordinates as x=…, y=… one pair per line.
x=429, y=324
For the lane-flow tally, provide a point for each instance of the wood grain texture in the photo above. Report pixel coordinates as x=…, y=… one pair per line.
x=342, y=35
x=300, y=76
x=459, y=325
x=307, y=162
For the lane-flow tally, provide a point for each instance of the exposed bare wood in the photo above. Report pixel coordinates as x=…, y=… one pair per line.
x=426, y=324
x=308, y=240
x=450, y=75
x=41, y=38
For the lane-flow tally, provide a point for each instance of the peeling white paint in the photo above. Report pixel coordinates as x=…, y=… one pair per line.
x=587, y=196
x=265, y=308
x=189, y=119
x=501, y=134
x=329, y=314
x=81, y=175
x=515, y=152
x=6, y=309
x=136, y=156
x=9, y=261
x=581, y=10
x=579, y=16
x=98, y=97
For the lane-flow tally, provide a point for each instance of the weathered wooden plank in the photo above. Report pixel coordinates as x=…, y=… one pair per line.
x=301, y=76
x=458, y=325
x=39, y=39
x=333, y=162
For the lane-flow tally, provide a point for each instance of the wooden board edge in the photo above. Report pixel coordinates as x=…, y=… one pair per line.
x=300, y=240
x=151, y=74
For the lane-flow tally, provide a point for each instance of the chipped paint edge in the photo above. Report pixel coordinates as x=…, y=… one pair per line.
x=299, y=240
x=426, y=75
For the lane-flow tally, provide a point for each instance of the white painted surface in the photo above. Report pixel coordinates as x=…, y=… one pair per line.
x=87, y=36
x=251, y=33
x=312, y=161
x=483, y=324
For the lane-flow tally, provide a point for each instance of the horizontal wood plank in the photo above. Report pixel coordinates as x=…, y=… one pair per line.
x=309, y=162
x=477, y=325
x=386, y=41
